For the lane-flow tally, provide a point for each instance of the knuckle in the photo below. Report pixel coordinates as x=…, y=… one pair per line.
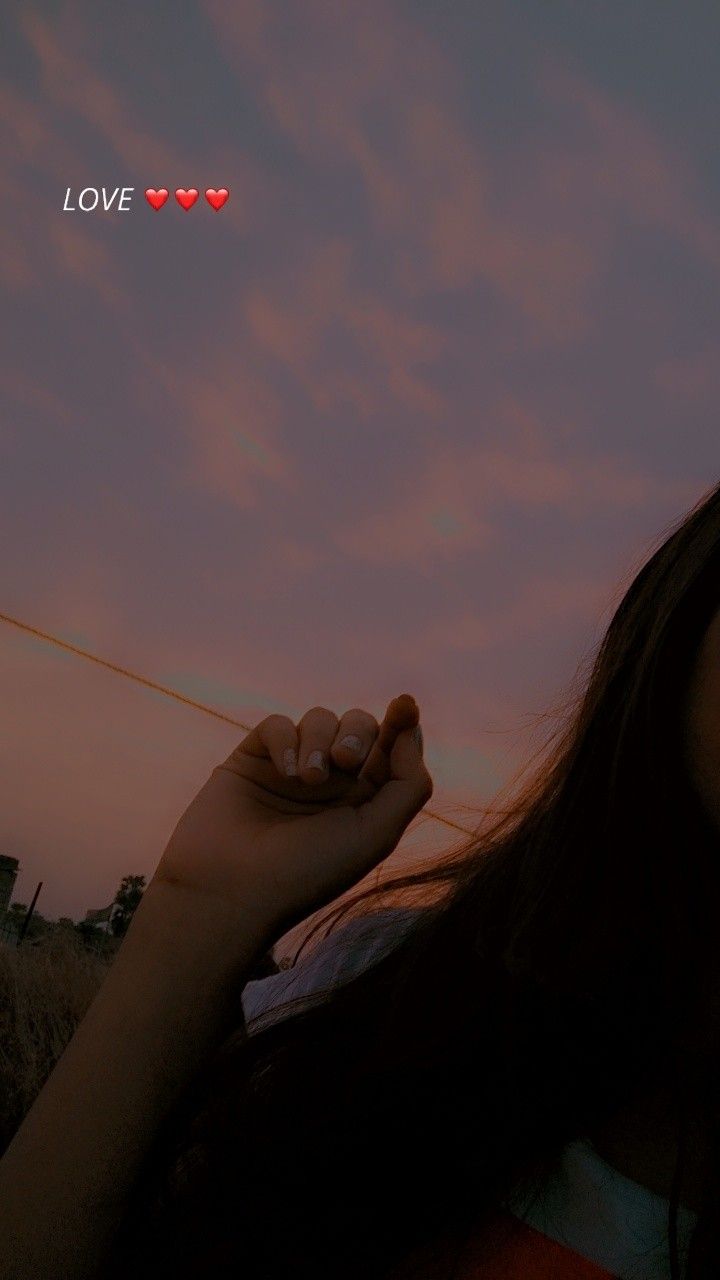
x=319, y=718
x=275, y=721
x=315, y=711
x=361, y=719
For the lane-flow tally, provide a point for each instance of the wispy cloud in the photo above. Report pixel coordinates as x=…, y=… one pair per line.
x=400, y=416
x=385, y=348
x=429, y=182
x=456, y=499
x=693, y=376
x=231, y=420
x=627, y=165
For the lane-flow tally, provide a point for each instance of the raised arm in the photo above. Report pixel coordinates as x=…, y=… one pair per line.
x=166, y=1002
x=257, y=850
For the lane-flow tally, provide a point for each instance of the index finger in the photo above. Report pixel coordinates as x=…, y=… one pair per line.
x=275, y=738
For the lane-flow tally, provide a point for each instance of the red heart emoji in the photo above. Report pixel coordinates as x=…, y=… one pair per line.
x=216, y=198
x=186, y=199
x=156, y=198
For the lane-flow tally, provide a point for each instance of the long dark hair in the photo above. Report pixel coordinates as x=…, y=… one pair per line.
x=547, y=981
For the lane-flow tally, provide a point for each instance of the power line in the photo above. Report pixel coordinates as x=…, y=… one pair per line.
x=122, y=671
x=167, y=692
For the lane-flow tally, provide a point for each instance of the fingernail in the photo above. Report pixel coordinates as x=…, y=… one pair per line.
x=351, y=741
x=290, y=761
x=316, y=760
x=418, y=737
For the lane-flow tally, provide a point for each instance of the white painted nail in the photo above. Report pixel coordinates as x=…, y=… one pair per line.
x=290, y=761
x=351, y=741
x=316, y=760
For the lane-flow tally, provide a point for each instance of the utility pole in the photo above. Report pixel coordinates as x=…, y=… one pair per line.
x=28, y=914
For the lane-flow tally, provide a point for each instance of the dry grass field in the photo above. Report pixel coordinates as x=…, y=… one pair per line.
x=46, y=985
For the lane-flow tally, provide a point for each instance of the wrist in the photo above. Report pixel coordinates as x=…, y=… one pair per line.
x=218, y=938
x=178, y=975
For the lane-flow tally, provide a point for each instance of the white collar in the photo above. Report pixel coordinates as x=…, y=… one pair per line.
x=595, y=1210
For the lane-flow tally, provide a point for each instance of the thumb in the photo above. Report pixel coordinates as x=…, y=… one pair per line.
x=390, y=811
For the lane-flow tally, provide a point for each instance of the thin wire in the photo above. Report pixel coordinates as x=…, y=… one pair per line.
x=169, y=693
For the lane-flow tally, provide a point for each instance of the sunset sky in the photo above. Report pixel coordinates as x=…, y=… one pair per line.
x=406, y=414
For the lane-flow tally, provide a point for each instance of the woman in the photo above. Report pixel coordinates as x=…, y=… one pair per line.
x=515, y=1084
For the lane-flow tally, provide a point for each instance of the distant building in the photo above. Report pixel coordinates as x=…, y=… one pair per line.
x=8, y=874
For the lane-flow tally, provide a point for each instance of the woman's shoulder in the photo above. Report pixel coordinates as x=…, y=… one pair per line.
x=345, y=952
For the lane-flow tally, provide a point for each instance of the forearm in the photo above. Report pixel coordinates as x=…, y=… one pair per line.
x=67, y=1174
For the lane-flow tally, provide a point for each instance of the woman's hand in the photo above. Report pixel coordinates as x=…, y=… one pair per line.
x=298, y=814
x=255, y=852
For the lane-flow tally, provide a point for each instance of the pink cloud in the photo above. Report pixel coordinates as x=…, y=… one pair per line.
x=692, y=377
x=16, y=268
x=537, y=606
x=31, y=135
x=427, y=179
x=471, y=484
x=33, y=246
x=296, y=557
x=25, y=391
x=291, y=322
x=81, y=255
x=233, y=422
x=537, y=224
x=70, y=81
x=629, y=165
x=21, y=245
x=354, y=305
